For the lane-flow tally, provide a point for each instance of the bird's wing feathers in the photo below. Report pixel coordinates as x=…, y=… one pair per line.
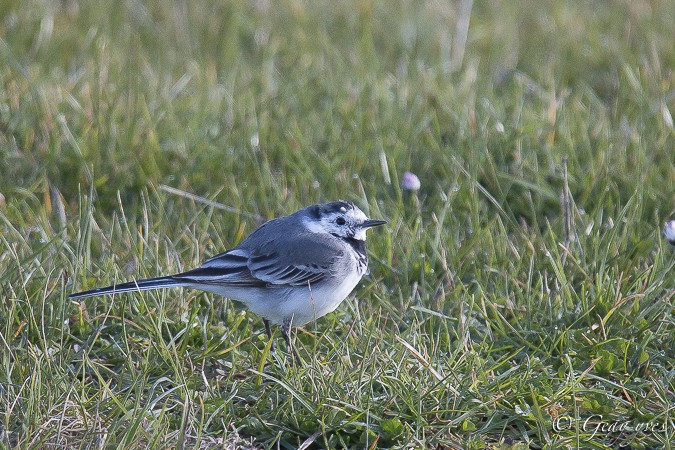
x=269, y=265
x=231, y=270
x=277, y=270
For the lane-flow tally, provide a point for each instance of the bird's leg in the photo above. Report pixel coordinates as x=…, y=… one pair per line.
x=269, y=333
x=285, y=329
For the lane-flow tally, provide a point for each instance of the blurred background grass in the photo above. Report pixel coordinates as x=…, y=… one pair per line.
x=269, y=106
x=207, y=97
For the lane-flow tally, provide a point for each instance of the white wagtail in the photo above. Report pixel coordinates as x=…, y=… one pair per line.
x=290, y=270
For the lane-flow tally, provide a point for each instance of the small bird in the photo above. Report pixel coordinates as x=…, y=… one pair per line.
x=291, y=270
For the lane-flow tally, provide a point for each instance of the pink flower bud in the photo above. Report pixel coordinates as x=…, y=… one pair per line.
x=410, y=182
x=669, y=231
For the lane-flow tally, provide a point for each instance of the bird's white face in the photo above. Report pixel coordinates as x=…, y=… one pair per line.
x=341, y=219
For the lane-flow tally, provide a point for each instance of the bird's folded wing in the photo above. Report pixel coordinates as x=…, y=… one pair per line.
x=275, y=270
x=239, y=267
x=229, y=268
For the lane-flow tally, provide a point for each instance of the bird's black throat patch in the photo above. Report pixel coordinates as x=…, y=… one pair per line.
x=359, y=248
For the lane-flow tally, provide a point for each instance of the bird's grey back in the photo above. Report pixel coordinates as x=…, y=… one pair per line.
x=287, y=238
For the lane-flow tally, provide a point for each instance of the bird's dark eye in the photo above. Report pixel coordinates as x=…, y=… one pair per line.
x=340, y=221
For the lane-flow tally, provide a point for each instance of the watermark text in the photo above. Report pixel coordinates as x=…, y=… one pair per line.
x=602, y=428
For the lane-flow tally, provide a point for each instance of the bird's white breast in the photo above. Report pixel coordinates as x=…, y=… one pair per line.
x=300, y=304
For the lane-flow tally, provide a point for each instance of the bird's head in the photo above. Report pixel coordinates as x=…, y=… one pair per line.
x=342, y=219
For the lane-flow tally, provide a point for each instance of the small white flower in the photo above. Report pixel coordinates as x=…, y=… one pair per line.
x=410, y=182
x=669, y=231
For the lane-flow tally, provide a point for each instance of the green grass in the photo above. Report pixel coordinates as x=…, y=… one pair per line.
x=477, y=327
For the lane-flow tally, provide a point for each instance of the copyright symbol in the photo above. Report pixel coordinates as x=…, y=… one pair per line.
x=562, y=423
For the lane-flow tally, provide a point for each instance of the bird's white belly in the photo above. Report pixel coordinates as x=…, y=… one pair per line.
x=299, y=304
x=304, y=306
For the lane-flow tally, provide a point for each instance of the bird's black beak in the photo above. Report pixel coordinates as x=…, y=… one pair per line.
x=372, y=223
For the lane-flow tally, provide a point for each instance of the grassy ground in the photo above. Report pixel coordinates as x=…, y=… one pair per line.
x=496, y=315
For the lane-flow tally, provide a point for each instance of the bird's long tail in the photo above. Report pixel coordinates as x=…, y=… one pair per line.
x=140, y=285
